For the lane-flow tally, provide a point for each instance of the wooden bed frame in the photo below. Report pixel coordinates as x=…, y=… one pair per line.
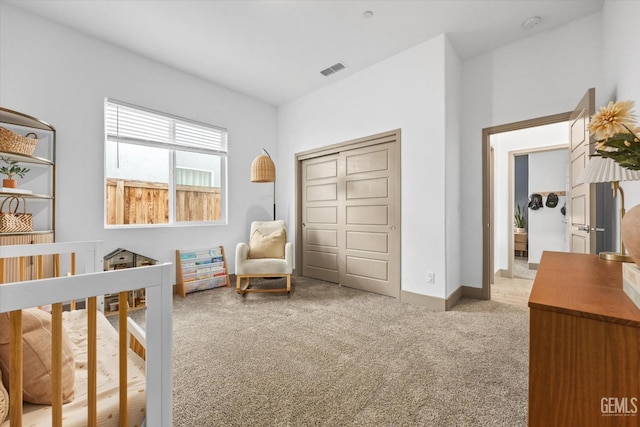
x=91, y=284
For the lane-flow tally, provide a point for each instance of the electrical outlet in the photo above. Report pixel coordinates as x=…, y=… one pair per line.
x=431, y=277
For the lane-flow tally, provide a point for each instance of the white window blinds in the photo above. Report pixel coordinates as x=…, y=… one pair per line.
x=136, y=125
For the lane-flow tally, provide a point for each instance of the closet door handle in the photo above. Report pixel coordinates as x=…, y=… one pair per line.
x=589, y=229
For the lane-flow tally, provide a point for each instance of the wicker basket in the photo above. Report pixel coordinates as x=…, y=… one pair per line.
x=14, y=143
x=14, y=221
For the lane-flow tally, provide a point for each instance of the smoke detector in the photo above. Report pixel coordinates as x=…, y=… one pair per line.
x=532, y=22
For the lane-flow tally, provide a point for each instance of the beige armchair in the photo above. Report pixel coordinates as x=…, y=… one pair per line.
x=268, y=254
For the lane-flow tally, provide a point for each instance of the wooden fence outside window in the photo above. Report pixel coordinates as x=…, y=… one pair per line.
x=139, y=202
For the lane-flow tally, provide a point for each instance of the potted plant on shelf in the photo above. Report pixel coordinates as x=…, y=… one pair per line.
x=519, y=220
x=11, y=169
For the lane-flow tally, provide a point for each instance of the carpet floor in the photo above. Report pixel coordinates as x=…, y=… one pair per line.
x=333, y=356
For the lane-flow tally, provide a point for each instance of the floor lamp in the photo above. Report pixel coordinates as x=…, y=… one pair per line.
x=604, y=169
x=264, y=170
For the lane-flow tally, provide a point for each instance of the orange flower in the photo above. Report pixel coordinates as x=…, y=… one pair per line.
x=612, y=119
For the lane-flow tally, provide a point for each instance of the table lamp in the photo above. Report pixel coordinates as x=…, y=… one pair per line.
x=604, y=169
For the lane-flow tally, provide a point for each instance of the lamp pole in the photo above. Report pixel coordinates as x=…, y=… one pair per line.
x=274, y=188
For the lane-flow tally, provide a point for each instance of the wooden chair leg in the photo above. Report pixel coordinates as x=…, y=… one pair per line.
x=239, y=288
x=245, y=289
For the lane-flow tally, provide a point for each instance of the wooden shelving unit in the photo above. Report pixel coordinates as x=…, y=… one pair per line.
x=201, y=269
x=36, y=190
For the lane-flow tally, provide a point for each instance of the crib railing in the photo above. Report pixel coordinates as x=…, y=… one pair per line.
x=93, y=282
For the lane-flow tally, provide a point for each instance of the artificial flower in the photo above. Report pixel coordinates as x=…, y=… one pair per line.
x=615, y=118
x=616, y=133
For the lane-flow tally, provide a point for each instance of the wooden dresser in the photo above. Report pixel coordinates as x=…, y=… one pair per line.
x=584, y=354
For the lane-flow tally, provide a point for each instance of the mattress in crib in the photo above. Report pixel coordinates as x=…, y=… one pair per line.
x=75, y=412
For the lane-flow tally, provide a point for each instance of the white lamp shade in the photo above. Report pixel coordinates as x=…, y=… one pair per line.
x=604, y=169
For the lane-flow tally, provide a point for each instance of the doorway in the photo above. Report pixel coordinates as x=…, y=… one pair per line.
x=541, y=172
x=532, y=160
x=491, y=162
x=348, y=213
x=551, y=225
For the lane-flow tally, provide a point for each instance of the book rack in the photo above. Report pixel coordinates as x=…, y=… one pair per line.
x=198, y=270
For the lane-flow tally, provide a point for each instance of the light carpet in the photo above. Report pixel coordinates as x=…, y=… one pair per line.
x=333, y=356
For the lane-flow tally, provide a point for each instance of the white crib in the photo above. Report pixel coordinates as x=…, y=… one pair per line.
x=84, y=260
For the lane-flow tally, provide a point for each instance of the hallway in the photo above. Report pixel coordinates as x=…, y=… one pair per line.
x=514, y=291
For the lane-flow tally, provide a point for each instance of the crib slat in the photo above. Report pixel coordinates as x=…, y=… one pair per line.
x=56, y=265
x=40, y=263
x=21, y=268
x=56, y=364
x=72, y=305
x=56, y=356
x=15, y=369
x=123, y=351
x=92, y=348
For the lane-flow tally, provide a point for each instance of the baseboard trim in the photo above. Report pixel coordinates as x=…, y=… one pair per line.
x=432, y=303
x=453, y=299
x=470, y=292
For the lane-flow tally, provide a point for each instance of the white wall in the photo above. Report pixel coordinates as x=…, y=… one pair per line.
x=539, y=76
x=452, y=168
x=62, y=77
x=406, y=91
x=547, y=173
x=621, y=63
x=505, y=144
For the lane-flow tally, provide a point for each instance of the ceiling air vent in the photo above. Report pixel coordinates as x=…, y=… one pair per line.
x=333, y=69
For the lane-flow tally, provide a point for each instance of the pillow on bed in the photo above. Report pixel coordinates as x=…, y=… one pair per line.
x=36, y=348
x=4, y=401
x=270, y=246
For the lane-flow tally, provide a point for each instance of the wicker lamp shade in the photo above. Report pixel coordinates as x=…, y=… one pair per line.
x=263, y=169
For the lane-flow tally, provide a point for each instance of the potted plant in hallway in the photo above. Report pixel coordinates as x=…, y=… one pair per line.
x=519, y=220
x=11, y=169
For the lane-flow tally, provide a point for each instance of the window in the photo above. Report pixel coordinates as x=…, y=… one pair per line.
x=162, y=169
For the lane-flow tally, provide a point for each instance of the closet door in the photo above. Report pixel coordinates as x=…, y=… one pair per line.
x=369, y=220
x=351, y=216
x=320, y=218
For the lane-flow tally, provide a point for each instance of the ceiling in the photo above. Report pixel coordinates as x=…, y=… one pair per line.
x=274, y=50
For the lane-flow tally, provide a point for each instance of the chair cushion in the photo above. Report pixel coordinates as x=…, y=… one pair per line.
x=269, y=246
x=36, y=348
x=264, y=266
